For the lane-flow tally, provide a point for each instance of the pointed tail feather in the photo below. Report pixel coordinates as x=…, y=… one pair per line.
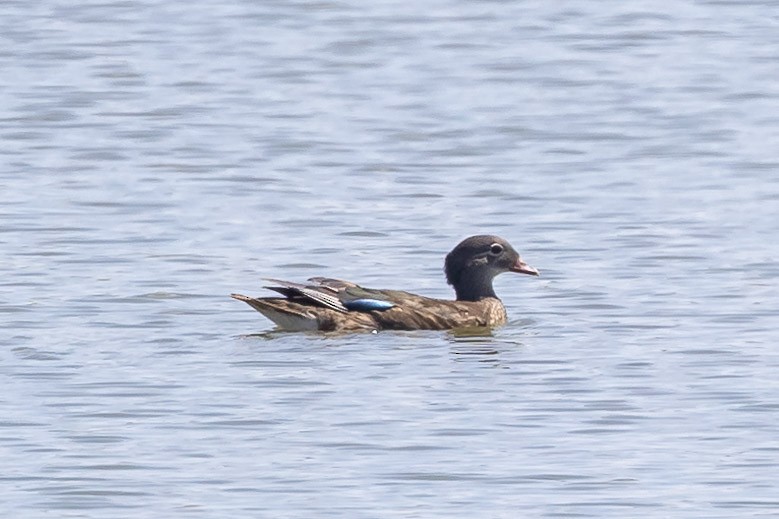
x=286, y=315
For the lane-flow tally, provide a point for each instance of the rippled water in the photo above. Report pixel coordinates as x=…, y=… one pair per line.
x=158, y=155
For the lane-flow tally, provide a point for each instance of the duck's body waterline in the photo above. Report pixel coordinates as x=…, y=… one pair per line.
x=333, y=305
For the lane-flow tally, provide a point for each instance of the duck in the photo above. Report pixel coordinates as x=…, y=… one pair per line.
x=334, y=305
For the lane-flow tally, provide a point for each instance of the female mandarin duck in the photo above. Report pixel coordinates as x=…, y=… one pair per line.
x=341, y=306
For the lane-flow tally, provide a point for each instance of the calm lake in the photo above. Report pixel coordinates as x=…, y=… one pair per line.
x=158, y=155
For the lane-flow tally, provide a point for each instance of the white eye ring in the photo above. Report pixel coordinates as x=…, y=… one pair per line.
x=496, y=248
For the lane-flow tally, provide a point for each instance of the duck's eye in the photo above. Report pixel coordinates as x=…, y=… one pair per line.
x=496, y=248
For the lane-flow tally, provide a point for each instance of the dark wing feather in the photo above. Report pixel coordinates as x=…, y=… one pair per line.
x=342, y=296
x=354, y=297
x=314, y=293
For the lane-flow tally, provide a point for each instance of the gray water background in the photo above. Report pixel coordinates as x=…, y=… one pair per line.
x=158, y=155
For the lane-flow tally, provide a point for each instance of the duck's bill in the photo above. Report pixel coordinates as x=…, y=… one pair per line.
x=523, y=268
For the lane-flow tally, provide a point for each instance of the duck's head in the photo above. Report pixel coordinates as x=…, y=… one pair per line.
x=472, y=265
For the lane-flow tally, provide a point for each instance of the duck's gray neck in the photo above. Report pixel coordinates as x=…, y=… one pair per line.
x=474, y=288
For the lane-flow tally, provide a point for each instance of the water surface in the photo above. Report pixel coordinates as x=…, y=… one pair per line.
x=159, y=155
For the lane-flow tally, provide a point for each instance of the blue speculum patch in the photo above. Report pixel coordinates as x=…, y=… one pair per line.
x=366, y=305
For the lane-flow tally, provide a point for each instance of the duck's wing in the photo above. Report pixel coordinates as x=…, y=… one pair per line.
x=314, y=293
x=342, y=296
